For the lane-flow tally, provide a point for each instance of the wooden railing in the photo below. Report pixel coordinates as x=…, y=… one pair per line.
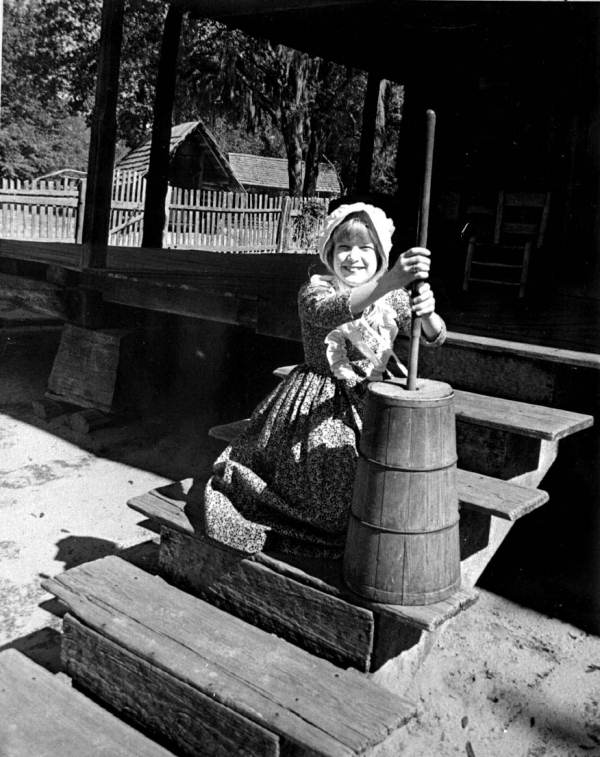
x=195, y=219
x=44, y=211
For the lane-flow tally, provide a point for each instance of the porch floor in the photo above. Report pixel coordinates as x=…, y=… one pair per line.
x=554, y=319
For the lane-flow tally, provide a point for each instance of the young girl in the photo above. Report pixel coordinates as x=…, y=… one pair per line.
x=288, y=479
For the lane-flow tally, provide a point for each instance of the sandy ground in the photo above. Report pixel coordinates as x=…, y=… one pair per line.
x=502, y=680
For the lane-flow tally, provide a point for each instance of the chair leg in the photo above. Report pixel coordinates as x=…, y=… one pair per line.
x=468, y=261
x=525, y=268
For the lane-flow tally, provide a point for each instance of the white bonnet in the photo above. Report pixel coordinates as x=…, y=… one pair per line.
x=381, y=224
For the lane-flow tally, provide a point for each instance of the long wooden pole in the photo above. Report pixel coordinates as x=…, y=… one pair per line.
x=103, y=138
x=415, y=332
x=155, y=212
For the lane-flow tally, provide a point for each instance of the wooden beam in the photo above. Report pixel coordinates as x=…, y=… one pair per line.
x=224, y=8
x=103, y=137
x=594, y=146
x=367, y=136
x=158, y=171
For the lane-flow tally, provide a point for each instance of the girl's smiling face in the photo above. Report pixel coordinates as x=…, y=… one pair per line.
x=354, y=257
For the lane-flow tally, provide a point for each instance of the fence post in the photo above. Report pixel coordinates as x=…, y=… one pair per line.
x=80, y=211
x=283, y=227
x=165, y=233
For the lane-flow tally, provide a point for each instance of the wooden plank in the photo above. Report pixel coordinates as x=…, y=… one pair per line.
x=90, y=419
x=523, y=418
x=520, y=417
x=85, y=368
x=503, y=499
x=39, y=296
x=166, y=506
x=475, y=491
x=307, y=701
x=168, y=297
x=54, y=253
x=41, y=199
x=158, y=701
x=534, y=352
x=323, y=624
x=43, y=716
x=48, y=409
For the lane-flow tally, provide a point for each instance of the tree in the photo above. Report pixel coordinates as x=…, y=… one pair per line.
x=257, y=96
x=38, y=133
x=272, y=86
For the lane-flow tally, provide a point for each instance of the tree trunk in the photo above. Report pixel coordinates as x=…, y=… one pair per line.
x=368, y=132
x=292, y=134
x=311, y=171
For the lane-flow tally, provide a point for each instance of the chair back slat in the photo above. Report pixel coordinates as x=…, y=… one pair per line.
x=519, y=225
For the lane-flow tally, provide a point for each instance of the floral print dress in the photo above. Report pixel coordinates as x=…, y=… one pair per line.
x=285, y=484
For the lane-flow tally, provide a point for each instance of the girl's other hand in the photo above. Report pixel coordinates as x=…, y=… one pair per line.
x=423, y=303
x=412, y=265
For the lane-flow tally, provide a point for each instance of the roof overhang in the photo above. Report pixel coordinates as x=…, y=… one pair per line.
x=402, y=39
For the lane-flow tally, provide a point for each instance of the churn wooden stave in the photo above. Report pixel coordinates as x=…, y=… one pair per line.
x=402, y=544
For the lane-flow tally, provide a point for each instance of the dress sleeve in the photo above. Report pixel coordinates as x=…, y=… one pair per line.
x=400, y=301
x=322, y=305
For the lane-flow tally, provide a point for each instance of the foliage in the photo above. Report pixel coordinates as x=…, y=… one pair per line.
x=255, y=96
x=389, y=118
x=37, y=131
x=271, y=86
x=308, y=224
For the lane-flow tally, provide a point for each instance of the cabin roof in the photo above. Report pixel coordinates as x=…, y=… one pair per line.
x=272, y=173
x=242, y=169
x=138, y=159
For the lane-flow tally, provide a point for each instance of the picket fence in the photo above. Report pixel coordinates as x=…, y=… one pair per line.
x=52, y=210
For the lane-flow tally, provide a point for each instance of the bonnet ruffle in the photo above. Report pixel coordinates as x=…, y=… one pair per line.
x=382, y=226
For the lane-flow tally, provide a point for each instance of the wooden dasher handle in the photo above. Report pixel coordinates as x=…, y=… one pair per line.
x=415, y=331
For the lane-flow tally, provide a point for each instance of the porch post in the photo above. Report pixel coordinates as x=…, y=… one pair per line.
x=158, y=171
x=102, y=138
x=594, y=146
x=367, y=136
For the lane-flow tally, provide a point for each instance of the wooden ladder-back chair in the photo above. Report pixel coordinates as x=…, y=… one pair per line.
x=520, y=226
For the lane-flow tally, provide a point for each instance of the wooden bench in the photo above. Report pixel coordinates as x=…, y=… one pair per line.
x=304, y=600
x=476, y=491
x=209, y=682
x=43, y=715
x=505, y=448
x=506, y=439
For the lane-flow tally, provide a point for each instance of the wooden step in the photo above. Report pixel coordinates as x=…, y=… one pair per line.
x=476, y=491
x=42, y=716
x=303, y=600
x=208, y=681
x=522, y=418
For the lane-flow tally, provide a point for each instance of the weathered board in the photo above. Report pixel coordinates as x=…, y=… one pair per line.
x=166, y=506
x=160, y=702
x=519, y=417
x=325, y=625
x=48, y=409
x=502, y=499
x=313, y=706
x=476, y=491
x=42, y=716
x=86, y=367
